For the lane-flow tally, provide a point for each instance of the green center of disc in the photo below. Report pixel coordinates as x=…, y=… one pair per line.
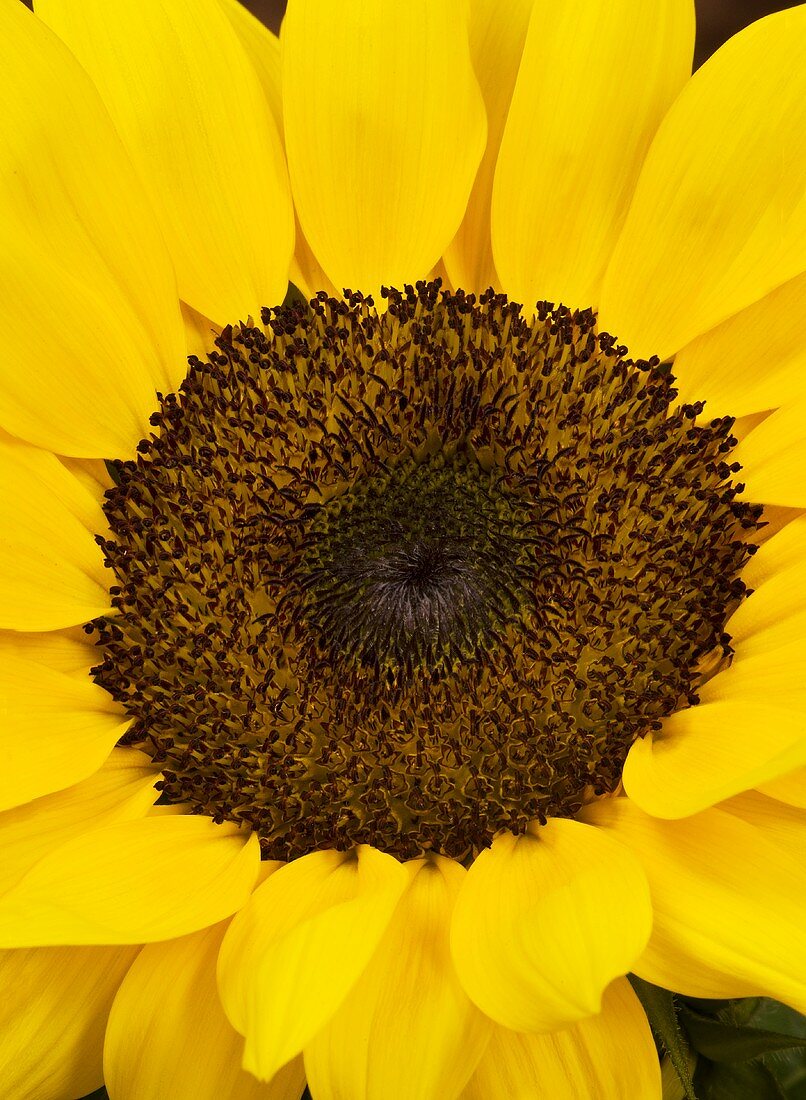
x=417, y=569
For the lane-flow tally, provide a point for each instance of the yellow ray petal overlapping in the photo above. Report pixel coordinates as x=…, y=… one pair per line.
x=497, y=34
x=53, y=1014
x=545, y=921
x=408, y=1018
x=51, y=570
x=132, y=882
x=121, y=790
x=718, y=219
x=384, y=131
x=576, y=136
x=749, y=727
x=789, y=788
x=610, y=1056
x=58, y=728
x=754, y=361
x=87, y=297
x=194, y=119
x=168, y=1035
x=263, y=50
x=715, y=880
x=298, y=947
x=773, y=457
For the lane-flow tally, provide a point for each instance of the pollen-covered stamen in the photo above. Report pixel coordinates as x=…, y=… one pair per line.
x=411, y=577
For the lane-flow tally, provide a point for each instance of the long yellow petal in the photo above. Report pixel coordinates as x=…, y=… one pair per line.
x=384, y=130
x=773, y=617
x=594, y=83
x=263, y=50
x=748, y=729
x=783, y=825
x=200, y=333
x=773, y=457
x=58, y=728
x=92, y=473
x=545, y=921
x=721, y=367
x=262, y=47
x=749, y=726
x=727, y=903
x=51, y=570
x=69, y=651
x=297, y=948
x=132, y=882
x=53, y=1012
x=789, y=788
x=497, y=34
x=121, y=790
x=784, y=550
x=193, y=116
x=408, y=1018
x=606, y=1057
x=718, y=219
x=88, y=305
x=168, y=1036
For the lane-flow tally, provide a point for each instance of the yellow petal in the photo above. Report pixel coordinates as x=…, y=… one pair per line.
x=168, y=1036
x=545, y=921
x=58, y=728
x=262, y=47
x=748, y=728
x=297, y=948
x=263, y=50
x=576, y=137
x=773, y=617
x=68, y=650
x=783, y=825
x=51, y=569
x=789, y=788
x=773, y=457
x=727, y=903
x=783, y=551
x=121, y=790
x=408, y=1018
x=92, y=473
x=91, y=326
x=200, y=333
x=53, y=1012
x=606, y=1057
x=722, y=366
x=193, y=117
x=718, y=219
x=132, y=882
x=497, y=34
x=384, y=130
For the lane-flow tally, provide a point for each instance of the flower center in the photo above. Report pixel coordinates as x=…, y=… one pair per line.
x=417, y=569
x=408, y=578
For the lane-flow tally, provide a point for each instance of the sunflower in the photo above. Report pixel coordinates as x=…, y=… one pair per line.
x=393, y=666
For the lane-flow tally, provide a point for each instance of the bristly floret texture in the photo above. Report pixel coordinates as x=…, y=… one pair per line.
x=410, y=577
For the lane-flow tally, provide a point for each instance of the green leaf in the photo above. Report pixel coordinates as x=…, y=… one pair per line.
x=723, y=1042
x=659, y=1005
x=736, y=1081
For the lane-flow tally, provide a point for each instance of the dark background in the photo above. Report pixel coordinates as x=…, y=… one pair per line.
x=716, y=19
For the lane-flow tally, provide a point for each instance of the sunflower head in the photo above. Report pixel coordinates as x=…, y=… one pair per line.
x=408, y=577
